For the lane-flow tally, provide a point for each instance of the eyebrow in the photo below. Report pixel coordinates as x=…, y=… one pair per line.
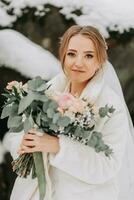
x=84, y=51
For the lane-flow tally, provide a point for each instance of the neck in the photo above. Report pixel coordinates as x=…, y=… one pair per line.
x=77, y=88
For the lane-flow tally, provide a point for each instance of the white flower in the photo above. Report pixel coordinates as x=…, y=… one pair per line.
x=23, y=117
x=25, y=87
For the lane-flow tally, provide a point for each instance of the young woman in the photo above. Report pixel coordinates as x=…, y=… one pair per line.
x=76, y=171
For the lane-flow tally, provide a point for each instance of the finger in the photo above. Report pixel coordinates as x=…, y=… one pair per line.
x=28, y=143
x=29, y=137
x=30, y=150
x=33, y=131
x=20, y=152
x=25, y=149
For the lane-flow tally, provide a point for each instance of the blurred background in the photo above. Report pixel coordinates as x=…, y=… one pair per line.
x=29, y=41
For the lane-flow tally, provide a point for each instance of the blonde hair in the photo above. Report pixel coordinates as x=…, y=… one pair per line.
x=91, y=33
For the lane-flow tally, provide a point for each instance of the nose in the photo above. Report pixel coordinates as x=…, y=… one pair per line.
x=78, y=62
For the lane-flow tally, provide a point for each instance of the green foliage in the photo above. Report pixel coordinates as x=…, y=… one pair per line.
x=28, y=124
x=14, y=122
x=39, y=165
x=103, y=111
x=56, y=117
x=50, y=112
x=98, y=144
x=25, y=102
x=27, y=109
x=63, y=121
x=36, y=84
x=6, y=111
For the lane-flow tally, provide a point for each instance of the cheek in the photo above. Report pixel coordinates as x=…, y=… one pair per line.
x=92, y=65
x=91, y=69
x=89, y=72
x=68, y=61
x=67, y=64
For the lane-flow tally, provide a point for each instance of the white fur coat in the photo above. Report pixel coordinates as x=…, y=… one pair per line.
x=77, y=172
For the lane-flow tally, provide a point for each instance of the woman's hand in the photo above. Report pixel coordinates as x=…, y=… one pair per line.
x=32, y=142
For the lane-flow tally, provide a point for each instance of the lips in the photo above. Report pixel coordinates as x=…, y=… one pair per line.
x=74, y=70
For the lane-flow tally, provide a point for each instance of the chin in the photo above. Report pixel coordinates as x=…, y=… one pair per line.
x=76, y=79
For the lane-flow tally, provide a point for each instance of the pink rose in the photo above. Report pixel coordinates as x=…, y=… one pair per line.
x=65, y=101
x=16, y=84
x=11, y=84
x=78, y=106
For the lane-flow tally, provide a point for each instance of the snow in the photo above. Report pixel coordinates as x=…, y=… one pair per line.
x=5, y=19
x=103, y=14
x=28, y=58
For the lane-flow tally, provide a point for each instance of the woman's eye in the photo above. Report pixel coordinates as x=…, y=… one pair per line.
x=89, y=56
x=71, y=54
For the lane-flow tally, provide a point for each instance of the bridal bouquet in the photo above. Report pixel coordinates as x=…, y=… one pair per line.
x=32, y=105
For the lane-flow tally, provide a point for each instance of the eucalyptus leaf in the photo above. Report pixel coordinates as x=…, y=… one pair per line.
x=35, y=83
x=16, y=129
x=42, y=98
x=14, y=109
x=93, y=141
x=78, y=131
x=45, y=106
x=85, y=134
x=100, y=146
x=111, y=110
x=38, y=119
x=56, y=116
x=41, y=88
x=6, y=112
x=97, y=134
x=50, y=112
x=11, y=100
x=28, y=124
x=7, y=95
x=108, y=152
x=26, y=101
x=39, y=166
x=44, y=117
x=14, y=122
x=53, y=127
x=53, y=104
x=63, y=121
x=103, y=111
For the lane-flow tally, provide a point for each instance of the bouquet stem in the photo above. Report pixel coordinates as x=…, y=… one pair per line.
x=26, y=163
x=39, y=165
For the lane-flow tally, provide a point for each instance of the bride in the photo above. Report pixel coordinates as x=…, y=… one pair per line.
x=75, y=171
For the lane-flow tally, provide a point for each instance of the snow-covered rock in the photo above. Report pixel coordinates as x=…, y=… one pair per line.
x=26, y=57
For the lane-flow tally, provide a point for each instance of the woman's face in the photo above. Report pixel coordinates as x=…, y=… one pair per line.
x=80, y=60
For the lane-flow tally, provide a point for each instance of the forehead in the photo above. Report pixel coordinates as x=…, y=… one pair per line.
x=81, y=42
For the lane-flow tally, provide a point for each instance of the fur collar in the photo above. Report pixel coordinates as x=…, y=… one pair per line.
x=61, y=83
